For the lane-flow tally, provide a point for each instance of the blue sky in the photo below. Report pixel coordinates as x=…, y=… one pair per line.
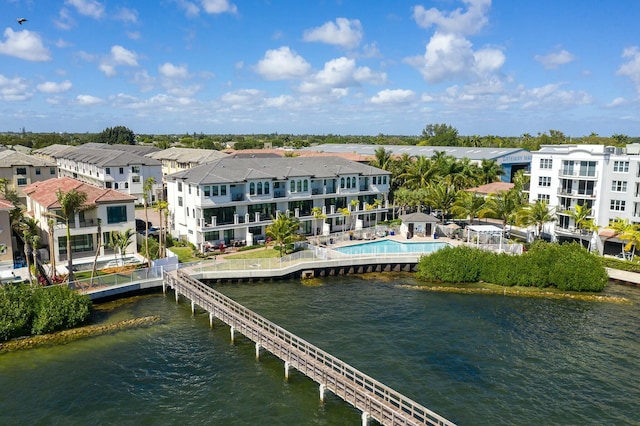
x=343, y=67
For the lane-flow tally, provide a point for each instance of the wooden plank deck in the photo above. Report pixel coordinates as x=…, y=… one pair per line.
x=366, y=394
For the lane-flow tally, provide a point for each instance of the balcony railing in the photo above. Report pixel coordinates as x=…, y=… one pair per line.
x=578, y=174
x=577, y=193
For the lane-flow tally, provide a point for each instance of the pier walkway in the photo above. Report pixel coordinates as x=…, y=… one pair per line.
x=371, y=397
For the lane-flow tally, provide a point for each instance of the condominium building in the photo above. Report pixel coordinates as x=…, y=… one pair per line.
x=605, y=179
x=122, y=169
x=177, y=159
x=112, y=210
x=236, y=198
x=19, y=170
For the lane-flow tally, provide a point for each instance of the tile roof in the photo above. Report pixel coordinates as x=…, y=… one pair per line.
x=229, y=170
x=187, y=155
x=133, y=149
x=5, y=204
x=11, y=158
x=492, y=188
x=45, y=192
x=102, y=157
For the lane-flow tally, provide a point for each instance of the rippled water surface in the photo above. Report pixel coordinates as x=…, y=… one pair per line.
x=476, y=360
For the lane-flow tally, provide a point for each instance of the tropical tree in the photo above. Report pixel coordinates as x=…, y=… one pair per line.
x=71, y=203
x=120, y=241
x=536, y=214
x=283, y=230
x=346, y=213
x=98, y=246
x=580, y=215
x=502, y=205
x=147, y=187
x=318, y=216
x=51, y=223
x=28, y=228
x=382, y=159
x=468, y=205
x=489, y=171
x=625, y=232
x=420, y=172
x=162, y=209
x=441, y=196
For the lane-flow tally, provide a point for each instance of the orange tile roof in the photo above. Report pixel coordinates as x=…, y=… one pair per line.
x=45, y=192
x=492, y=188
x=5, y=204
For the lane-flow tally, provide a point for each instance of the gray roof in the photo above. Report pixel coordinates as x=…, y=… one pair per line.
x=187, y=155
x=106, y=157
x=11, y=158
x=471, y=153
x=418, y=217
x=229, y=170
x=134, y=149
x=52, y=150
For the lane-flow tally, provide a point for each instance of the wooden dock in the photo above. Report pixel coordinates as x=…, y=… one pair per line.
x=371, y=397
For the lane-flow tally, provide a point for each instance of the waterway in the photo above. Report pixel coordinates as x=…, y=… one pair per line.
x=475, y=359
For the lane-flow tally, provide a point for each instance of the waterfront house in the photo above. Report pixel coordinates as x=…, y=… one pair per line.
x=114, y=210
x=234, y=199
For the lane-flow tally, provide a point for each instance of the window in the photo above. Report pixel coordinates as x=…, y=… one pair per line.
x=79, y=243
x=252, y=188
x=52, y=170
x=292, y=186
x=22, y=181
x=617, y=205
x=116, y=186
x=180, y=201
x=341, y=182
x=107, y=185
x=259, y=188
x=544, y=197
x=546, y=163
x=266, y=188
x=544, y=181
x=121, y=170
x=620, y=166
x=135, y=169
x=189, y=188
x=223, y=190
x=37, y=170
x=126, y=185
x=214, y=190
x=116, y=214
x=135, y=179
x=179, y=186
x=21, y=170
x=207, y=191
x=619, y=186
x=108, y=170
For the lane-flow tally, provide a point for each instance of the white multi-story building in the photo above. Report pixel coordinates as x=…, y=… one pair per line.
x=236, y=198
x=113, y=210
x=112, y=168
x=605, y=179
x=178, y=159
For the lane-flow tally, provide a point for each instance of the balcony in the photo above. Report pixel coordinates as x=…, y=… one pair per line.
x=576, y=193
x=578, y=174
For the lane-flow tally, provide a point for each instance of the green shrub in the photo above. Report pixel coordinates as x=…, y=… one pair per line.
x=568, y=267
x=16, y=310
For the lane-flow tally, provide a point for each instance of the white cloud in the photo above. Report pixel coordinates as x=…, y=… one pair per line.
x=340, y=73
x=449, y=56
x=91, y=8
x=555, y=59
x=345, y=33
x=242, y=97
x=397, y=96
x=125, y=14
x=551, y=96
x=25, y=45
x=218, y=6
x=118, y=56
x=190, y=8
x=169, y=70
x=53, y=87
x=88, y=100
x=64, y=21
x=631, y=68
x=467, y=22
x=617, y=102
x=13, y=89
x=134, y=35
x=282, y=64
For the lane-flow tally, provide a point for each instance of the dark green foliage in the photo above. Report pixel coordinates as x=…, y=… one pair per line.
x=116, y=135
x=567, y=267
x=26, y=310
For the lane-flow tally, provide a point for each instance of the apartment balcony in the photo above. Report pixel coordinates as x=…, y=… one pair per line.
x=577, y=194
x=578, y=174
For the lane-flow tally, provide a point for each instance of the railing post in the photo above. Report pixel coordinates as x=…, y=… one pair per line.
x=365, y=418
x=193, y=307
x=232, y=333
x=257, y=350
x=211, y=317
x=286, y=370
x=322, y=388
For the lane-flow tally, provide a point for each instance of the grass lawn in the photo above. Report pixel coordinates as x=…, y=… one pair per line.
x=185, y=254
x=259, y=253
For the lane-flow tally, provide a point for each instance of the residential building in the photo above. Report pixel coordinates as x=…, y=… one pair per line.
x=178, y=159
x=235, y=198
x=6, y=242
x=605, y=179
x=20, y=170
x=115, y=167
x=113, y=210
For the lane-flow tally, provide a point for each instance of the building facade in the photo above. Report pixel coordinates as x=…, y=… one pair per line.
x=112, y=210
x=20, y=170
x=604, y=179
x=179, y=159
x=235, y=199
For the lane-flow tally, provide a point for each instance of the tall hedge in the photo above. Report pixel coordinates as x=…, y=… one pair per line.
x=567, y=267
x=25, y=310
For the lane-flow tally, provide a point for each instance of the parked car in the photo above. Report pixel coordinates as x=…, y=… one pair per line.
x=140, y=225
x=154, y=231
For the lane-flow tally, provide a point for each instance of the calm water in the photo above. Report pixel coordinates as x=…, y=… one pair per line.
x=391, y=247
x=477, y=360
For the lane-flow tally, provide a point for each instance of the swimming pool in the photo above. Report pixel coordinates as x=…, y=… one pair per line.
x=391, y=247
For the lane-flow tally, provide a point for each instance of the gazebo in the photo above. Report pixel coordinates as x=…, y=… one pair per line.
x=417, y=224
x=486, y=233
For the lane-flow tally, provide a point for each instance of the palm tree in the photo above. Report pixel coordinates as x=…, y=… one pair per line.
x=283, y=231
x=162, y=207
x=98, y=246
x=420, y=172
x=536, y=214
x=502, y=205
x=468, y=205
x=489, y=171
x=441, y=196
x=580, y=215
x=382, y=159
x=71, y=203
x=347, y=215
x=35, y=240
x=120, y=241
x=28, y=228
x=52, y=251
x=625, y=232
x=147, y=187
x=317, y=214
